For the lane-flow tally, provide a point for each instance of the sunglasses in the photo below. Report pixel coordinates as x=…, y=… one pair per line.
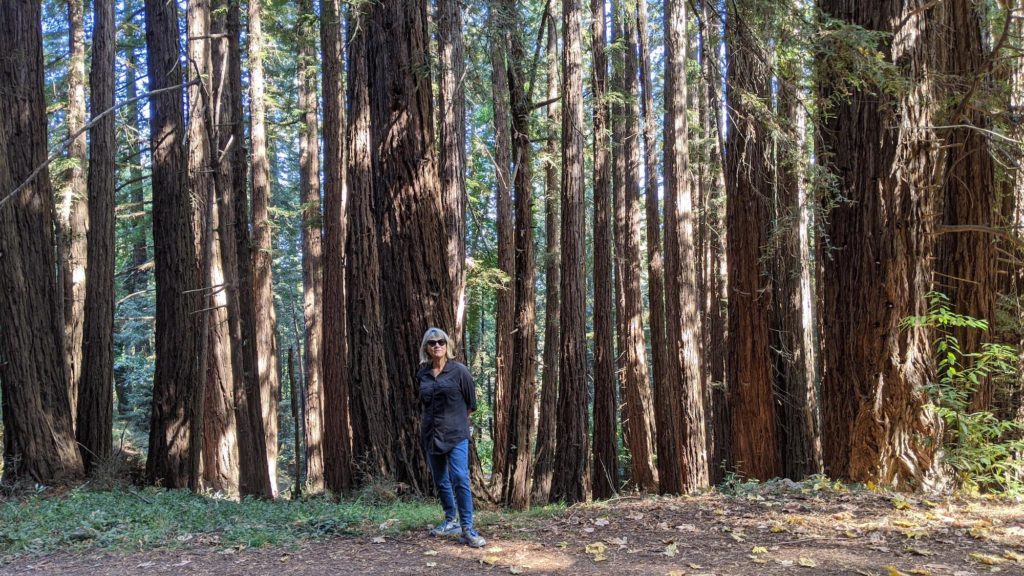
x=437, y=342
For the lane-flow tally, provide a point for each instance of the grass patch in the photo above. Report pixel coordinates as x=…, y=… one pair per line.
x=152, y=518
x=144, y=519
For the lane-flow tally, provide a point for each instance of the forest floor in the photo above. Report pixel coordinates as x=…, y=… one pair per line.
x=779, y=527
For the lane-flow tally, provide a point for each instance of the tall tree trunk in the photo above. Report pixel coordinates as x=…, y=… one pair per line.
x=312, y=267
x=254, y=476
x=337, y=441
x=373, y=411
x=605, y=465
x=180, y=294
x=524, y=340
x=138, y=278
x=752, y=406
x=655, y=249
x=572, y=473
x=73, y=215
x=39, y=441
x=505, y=315
x=882, y=150
x=452, y=157
x=682, y=461
x=966, y=261
x=544, y=459
x=639, y=422
x=792, y=346
x=95, y=400
x=201, y=189
x=414, y=271
x=716, y=271
x=262, y=258
x=224, y=366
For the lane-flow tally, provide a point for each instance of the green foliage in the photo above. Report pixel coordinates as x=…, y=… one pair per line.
x=154, y=518
x=982, y=450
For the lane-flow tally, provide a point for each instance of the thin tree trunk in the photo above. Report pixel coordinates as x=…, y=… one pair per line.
x=180, y=294
x=254, y=477
x=605, y=465
x=682, y=460
x=882, y=150
x=754, y=444
x=138, y=278
x=544, y=458
x=337, y=439
x=639, y=421
x=966, y=262
x=262, y=258
x=73, y=214
x=39, y=441
x=572, y=472
x=221, y=429
x=312, y=267
x=655, y=249
x=201, y=189
x=792, y=344
x=505, y=320
x=95, y=400
x=524, y=340
x=297, y=451
x=452, y=157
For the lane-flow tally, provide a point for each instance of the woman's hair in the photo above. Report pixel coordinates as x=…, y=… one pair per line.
x=435, y=334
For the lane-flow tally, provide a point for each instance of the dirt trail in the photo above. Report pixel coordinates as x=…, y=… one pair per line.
x=773, y=530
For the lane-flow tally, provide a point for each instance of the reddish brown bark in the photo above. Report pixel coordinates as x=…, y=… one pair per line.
x=73, y=212
x=262, y=258
x=682, y=460
x=605, y=465
x=39, y=441
x=505, y=315
x=95, y=406
x=883, y=151
x=180, y=296
x=572, y=470
x=544, y=458
x=337, y=439
x=312, y=251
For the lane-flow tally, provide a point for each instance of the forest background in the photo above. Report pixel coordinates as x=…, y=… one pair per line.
x=676, y=243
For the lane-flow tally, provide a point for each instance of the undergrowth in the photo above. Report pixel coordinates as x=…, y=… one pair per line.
x=143, y=519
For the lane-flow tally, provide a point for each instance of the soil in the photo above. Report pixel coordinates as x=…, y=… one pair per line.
x=778, y=528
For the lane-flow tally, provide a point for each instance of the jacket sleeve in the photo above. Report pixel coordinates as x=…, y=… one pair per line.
x=468, y=389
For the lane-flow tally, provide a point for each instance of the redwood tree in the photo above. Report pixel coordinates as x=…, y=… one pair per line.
x=95, y=395
x=605, y=463
x=881, y=147
x=263, y=294
x=755, y=448
x=180, y=296
x=337, y=441
x=572, y=470
x=39, y=442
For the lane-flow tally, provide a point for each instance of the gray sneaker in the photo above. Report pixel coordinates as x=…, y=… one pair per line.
x=446, y=528
x=472, y=539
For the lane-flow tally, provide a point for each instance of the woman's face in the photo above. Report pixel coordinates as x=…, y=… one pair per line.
x=437, y=348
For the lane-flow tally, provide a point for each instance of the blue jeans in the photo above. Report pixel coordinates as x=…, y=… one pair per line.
x=451, y=477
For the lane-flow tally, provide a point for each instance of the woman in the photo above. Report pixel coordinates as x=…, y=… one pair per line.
x=448, y=398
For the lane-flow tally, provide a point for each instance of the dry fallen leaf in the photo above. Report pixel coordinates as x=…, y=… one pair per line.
x=431, y=564
x=694, y=566
x=987, y=559
x=489, y=560
x=596, y=550
x=1011, y=555
x=807, y=562
x=620, y=542
x=516, y=570
x=430, y=553
x=894, y=571
x=601, y=522
x=759, y=550
x=671, y=550
x=899, y=503
x=378, y=540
